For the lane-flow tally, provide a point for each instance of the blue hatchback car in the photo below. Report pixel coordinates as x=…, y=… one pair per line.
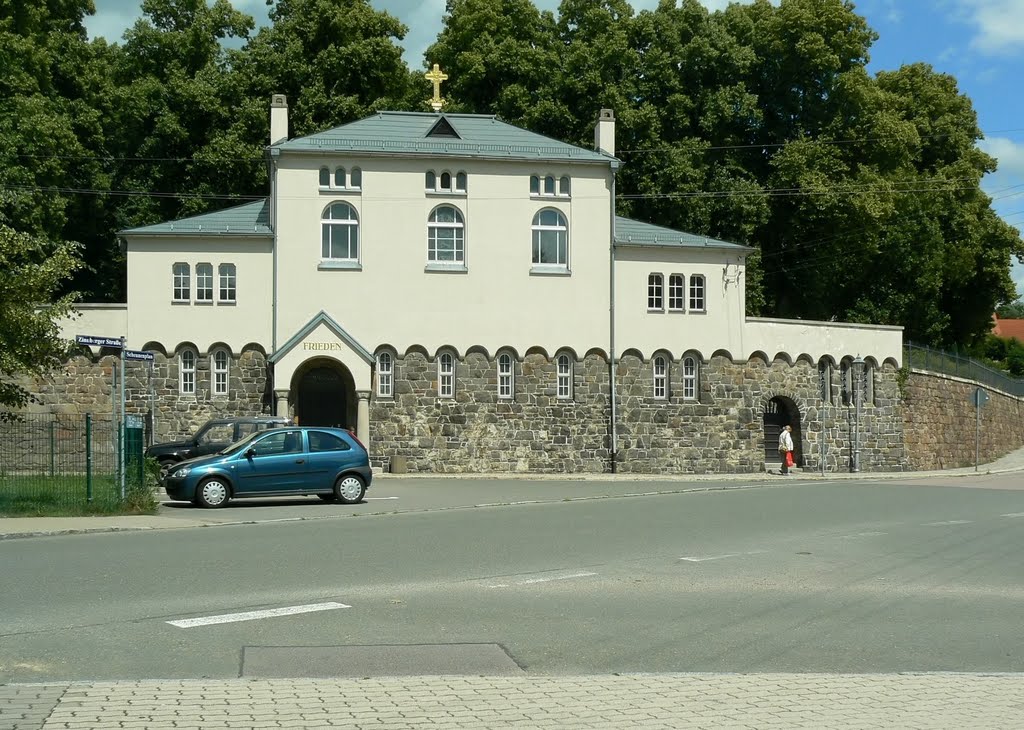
x=328, y=462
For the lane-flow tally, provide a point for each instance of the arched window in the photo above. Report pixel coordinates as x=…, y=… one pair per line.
x=534, y=185
x=340, y=228
x=182, y=282
x=431, y=183
x=221, y=363
x=691, y=374
x=446, y=236
x=446, y=181
x=697, y=302
x=460, y=182
x=564, y=378
x=187, y=372
x=846, y=381
x=660, y=369
x=869, y=384
x=339, y=177
x=550, y=239
x=549, y=185
x=506, y=377
x=446, y=375
x=825, y=380
x=325, y=177
x=385, y=376
x=655, y=293
x=355, y=179
x=563, y=186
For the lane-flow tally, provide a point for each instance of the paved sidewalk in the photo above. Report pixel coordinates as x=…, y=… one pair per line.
x=754, y=701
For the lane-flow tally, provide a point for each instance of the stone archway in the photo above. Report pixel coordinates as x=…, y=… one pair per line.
x=324, y=394
x=778, y=412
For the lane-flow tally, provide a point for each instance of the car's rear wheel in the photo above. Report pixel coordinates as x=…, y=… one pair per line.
x=212, y=493
x=349, y=489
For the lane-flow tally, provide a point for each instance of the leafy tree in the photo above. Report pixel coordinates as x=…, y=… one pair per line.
x=32, y=270
x=1011, y=310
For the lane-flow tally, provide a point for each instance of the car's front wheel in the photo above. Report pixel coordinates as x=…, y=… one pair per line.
x=166, y=466
x=212, y=493
x=349, y=489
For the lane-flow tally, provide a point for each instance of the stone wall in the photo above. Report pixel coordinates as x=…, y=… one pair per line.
x=84, y=385
x=722, y=431
x=940, y=422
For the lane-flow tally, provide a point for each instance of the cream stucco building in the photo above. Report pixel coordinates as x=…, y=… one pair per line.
x=461, y=292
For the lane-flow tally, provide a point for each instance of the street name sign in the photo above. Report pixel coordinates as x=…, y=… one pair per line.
x=95, y=341
x=138, y=355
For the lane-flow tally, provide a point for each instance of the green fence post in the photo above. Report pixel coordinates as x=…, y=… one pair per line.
x=53, y=440
x=88, y=457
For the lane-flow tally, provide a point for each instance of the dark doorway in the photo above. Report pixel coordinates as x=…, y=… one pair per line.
x=778, y=412
x=323, y=398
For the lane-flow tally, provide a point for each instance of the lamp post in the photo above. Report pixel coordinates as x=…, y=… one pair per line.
x=858, y=378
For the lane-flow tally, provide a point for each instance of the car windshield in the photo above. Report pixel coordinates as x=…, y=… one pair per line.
x=240, y=444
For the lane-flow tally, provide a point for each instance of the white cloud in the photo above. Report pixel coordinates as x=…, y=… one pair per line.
x=1009, y=153
x=999, y=24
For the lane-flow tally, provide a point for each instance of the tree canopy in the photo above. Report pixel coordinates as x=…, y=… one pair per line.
x=758, y=124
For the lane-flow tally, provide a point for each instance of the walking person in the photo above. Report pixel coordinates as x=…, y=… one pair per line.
x=786, y=448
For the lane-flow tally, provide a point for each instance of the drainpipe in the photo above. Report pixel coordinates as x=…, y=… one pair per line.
x=274, y=154
x=611, y=331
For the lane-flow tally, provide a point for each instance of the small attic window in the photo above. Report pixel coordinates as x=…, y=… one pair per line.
x=443, y=128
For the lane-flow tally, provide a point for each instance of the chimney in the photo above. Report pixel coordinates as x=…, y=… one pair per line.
x=278, y=118
x=604, y=132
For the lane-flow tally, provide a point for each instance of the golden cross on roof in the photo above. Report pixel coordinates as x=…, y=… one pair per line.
x=436, y=76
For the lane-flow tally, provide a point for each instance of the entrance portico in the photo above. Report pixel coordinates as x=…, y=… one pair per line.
x=329, y=376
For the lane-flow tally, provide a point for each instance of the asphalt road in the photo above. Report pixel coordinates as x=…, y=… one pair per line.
x=855, y=576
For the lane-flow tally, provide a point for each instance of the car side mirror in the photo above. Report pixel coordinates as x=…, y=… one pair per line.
x=250, y=452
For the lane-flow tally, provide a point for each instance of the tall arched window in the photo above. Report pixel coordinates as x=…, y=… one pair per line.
x=550, y=239
x=325, y=177
x=460, y=182
x=446, y=236
x=221, y=363
x=846, y=381
x=187, y=372
x=549, y=185
x=446, y=375
x=660, y=368
x=355, y=178
x=506, y=377
x=564, y=378
x=339, y=177
x=691, y=373
x=869, y=384
x=825, y=380
x=385, y=376
x=563, y=186
x=340, y=228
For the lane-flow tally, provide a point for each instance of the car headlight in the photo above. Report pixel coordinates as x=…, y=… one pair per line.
x=181, y=473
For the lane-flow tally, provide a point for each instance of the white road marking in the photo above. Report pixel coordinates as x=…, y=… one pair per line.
x=721, y=557
x=1014, y=514
x=227, y=618
x=862, y=534
x=947, y=522
x=531, y=581
x=369, y=498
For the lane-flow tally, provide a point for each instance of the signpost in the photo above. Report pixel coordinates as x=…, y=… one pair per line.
x=119, y=381
x=980, y=398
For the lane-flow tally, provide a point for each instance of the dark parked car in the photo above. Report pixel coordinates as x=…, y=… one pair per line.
x=328, y=462
x=214, y=435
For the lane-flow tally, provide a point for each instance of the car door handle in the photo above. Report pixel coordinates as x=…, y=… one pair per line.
x=299, y=461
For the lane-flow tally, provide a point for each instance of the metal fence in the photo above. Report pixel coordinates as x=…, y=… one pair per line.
x=58, y=460
x=953, y=363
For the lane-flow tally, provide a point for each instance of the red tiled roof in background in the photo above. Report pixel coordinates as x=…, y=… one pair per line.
x=1008, y=328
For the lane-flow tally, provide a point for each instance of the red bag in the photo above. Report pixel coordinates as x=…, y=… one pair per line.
x=789, y=459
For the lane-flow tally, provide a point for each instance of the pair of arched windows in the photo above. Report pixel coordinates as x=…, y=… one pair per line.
x=849, y=388
x=220, y=368
x=660, y=372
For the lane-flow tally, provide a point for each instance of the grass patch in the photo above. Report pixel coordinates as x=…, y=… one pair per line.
x=67, y=496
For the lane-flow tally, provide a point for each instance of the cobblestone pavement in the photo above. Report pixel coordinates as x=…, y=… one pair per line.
x=817, y=701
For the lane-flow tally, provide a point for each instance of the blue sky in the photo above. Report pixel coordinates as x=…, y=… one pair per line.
x=980, y=42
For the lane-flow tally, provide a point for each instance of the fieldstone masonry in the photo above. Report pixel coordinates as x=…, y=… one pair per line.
x=940, y=422
x=916, y=421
